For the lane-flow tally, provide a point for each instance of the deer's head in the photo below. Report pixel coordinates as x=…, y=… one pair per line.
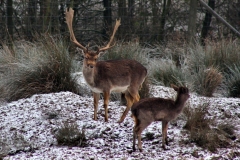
x=90, y=57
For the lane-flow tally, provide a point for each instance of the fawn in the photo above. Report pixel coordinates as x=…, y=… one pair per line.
x=149, y=110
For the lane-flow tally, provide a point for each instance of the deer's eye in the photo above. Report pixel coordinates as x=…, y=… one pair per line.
x=86, y=57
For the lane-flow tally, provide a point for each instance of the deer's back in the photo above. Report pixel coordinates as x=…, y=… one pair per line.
x=119, y=72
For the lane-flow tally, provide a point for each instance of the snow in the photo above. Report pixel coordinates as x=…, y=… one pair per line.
x=27, y=121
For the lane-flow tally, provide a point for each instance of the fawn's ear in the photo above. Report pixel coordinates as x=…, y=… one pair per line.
x=174, y=87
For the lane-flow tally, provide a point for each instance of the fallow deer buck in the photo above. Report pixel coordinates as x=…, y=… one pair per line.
x=149, y=110
x=124, y=75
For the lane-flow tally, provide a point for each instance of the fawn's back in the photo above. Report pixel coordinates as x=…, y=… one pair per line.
x=158, y=109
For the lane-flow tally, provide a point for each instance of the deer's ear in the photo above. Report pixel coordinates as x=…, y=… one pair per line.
x=174, y=87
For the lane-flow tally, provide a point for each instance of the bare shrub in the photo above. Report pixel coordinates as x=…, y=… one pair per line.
x=70, y=135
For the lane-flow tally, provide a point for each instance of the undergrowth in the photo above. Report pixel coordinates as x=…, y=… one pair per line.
x=70, y=135
x=32, y=68
x=202, y=131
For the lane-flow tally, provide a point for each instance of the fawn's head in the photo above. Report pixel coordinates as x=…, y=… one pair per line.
x=90, y=57
x=183, y=92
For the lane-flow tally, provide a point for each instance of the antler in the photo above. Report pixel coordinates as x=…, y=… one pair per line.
x=111, y=39
x=69, y=19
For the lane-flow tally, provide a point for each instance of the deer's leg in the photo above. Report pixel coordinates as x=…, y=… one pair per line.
x=130, y=100
x=164, y=134
x=134, y=139
x=106, y=96
x=138, y=129
x=131, y=96
x=139, y=141
x=96, y=97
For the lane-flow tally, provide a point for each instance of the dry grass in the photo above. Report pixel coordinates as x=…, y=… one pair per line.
x=206, y=81
x=201, y=131
x=33, y=68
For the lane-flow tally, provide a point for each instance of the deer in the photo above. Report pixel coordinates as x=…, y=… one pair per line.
x=149, y=110
x=122, y=75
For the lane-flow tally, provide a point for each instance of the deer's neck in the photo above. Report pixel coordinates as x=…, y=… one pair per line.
x=179, y=103
x=88, y=74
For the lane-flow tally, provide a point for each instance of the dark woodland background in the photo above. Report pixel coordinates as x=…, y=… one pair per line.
x=153, y=21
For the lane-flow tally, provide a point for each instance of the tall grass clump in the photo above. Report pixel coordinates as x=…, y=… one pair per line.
x=163, y=73
x=206, y=81
x=233, y=81
x=41, y=67
x=209, y=64
x=127, y=51
x=221, y=55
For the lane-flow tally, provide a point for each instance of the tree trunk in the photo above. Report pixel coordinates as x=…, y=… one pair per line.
x=2, y=21
x=32, y=17
x=122, y=13
x=165, y=11
x=207, y=22
x=155, y=19
x=54, y=17
x=107, y=18
x=131, y=8
x=192, y=21
x=44, y=14
x=10, y=19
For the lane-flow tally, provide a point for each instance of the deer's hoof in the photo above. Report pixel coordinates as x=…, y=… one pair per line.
x=165, y=148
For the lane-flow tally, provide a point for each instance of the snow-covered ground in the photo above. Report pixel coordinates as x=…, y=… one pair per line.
x=27, y=132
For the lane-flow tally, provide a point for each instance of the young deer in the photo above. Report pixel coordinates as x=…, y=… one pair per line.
x=149, y=110
x=124, y=76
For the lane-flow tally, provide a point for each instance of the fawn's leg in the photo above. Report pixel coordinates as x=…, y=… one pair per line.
x=139, y=128
x=134, y=139
x=96, y=97
x=106, y=96
x=164, y=134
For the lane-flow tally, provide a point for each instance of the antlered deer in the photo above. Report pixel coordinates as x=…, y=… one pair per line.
x=149, y=110
x=124, y=76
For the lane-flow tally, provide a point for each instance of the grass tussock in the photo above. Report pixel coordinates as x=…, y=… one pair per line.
x=167, y=73
x=41, y=67
x=201, y=131
x=204, y=68
x=233, y=81
x=70, y=135
x=127, y=51
x=206, y=81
